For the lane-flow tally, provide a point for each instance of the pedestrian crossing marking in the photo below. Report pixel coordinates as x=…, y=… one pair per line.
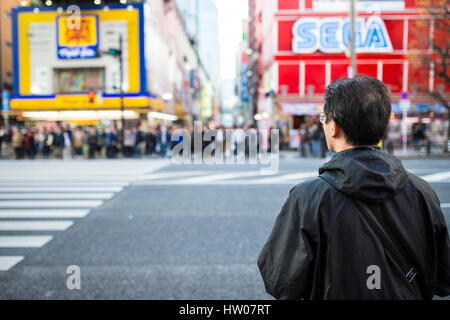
x=97, y=184
x=165, y=175
x=31, y=197
x=245, y=178
x=289, y=177
x=227, y=178
x=85, y=179
x=51, y=204
x=56, y=196
x=437, y=177
x=219, y=176
x=7, y=262
x=30, y=194
x=35, y=225
x=24, y=241
x=60, y=189
x=42, y=213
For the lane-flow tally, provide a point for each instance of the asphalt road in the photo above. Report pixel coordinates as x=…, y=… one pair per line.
x=147, y=229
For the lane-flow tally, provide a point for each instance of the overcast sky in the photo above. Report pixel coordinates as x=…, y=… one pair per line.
x=231, y=13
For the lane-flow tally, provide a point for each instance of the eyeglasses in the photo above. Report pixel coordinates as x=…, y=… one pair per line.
x=322, y=117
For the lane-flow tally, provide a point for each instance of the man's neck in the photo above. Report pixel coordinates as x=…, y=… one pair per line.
x=341, y=146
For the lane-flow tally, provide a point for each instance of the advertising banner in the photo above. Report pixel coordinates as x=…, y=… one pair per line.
x=77, y=39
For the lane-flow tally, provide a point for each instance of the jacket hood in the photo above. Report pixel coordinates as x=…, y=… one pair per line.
x=366, y=173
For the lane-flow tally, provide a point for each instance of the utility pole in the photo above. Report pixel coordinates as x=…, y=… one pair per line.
x=1, y=48
x=352, y=35
x=118, y=53
x=122, y=107
x=197, y=47
x=1, y=64
x=197, y=24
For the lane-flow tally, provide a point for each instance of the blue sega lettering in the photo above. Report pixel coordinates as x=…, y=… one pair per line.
x=332, y=35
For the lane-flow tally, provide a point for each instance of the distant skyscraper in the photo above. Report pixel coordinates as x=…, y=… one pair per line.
x=202, y=26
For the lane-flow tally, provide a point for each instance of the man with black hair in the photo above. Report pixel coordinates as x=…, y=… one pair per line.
x=365, y=228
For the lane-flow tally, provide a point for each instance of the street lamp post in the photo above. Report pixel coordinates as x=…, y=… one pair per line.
x=122, y=107
x=352, y=35
x=118, y=53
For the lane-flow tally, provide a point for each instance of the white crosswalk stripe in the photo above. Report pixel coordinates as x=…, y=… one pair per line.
x=7, y=262
x=55, y=195
x=49, y=184
x=50, y=204
x=24, y=241
x=218, y=177
x=35, y=225
x=437, y=177
x=43, y=213
x=251, y=177
x=289, y=178
x=223, y=178
x=85, y=179
x=168, y=175
x=60, y=189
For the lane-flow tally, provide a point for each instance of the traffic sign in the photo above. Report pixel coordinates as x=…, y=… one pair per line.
x=91, y=96
x=5, y=100
x=405, y=105
x=100, y=97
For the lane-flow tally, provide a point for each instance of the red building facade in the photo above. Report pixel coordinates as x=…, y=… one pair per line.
x=303, y=50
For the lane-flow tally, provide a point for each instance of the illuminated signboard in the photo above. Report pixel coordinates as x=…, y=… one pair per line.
x=361, y=5
x=49, y=46
x=77, y=37
x=332, y=35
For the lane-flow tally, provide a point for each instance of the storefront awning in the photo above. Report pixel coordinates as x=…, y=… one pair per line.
x=299, y=109
x=78, y=102
x=437, y=108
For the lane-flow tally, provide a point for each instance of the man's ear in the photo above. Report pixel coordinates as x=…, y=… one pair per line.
x=335, y=129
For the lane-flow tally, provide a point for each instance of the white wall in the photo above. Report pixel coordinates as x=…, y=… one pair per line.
x=43, y=56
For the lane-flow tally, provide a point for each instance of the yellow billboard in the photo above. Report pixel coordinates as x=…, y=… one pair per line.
x=58, y=60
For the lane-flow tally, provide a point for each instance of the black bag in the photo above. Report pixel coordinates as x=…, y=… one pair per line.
x=395, y=251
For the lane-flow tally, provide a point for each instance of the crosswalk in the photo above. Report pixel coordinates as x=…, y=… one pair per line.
x=48, y=205
x=249, y=177
x=41, y=199
x=221, y=177
x=36, y=208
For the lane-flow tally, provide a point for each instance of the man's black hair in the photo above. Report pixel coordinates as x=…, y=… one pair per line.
x=361, y=106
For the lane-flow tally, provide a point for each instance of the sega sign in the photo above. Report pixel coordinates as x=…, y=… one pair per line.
x=332, y=35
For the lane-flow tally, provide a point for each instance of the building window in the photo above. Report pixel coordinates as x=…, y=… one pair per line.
x=414, y=91
x=79, y=80
x=167, y=5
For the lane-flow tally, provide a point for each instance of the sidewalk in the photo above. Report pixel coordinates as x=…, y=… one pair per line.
x=411, y=154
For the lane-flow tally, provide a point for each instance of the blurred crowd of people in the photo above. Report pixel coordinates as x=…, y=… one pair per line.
x=61, y=141
x=309, y=140
x=88, y=142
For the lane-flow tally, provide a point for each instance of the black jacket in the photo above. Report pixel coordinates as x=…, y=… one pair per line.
x=321, y=246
